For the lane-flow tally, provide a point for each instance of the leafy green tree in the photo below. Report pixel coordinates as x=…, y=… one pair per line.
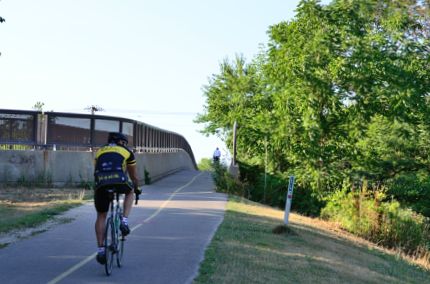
x=341, y=91
x=388, y=149
x=308, y=107
x=233, y=95
x=334, y=68
x=205, y=164
x=38, y=106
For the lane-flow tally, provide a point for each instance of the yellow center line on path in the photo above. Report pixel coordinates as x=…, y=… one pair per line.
x=91, y=257
x=170, y=198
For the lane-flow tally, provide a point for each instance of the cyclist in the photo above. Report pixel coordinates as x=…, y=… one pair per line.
x=216, y=155
x=115, y=165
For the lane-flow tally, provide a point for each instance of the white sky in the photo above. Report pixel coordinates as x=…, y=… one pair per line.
x=144, y=60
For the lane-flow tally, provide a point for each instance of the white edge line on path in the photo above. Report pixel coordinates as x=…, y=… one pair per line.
x=91, y=257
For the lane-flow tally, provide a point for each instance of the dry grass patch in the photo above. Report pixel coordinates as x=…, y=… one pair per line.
x=246, y=250
x=21, y=208
x=36, y=195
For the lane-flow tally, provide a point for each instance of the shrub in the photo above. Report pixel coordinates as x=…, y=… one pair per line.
x=205, y=164
x=366, y=214
x=271, y=189
x=412, y=190
x=146, y=177
x=403, y=228
x=306, y=201
x=225, y=182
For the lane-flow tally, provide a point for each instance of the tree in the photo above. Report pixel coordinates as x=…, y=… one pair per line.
x=233, y=95
x=38, y=106
x=325, y=82
x=334, y=68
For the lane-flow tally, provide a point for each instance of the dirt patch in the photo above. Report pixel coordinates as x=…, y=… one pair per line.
x=283, y=229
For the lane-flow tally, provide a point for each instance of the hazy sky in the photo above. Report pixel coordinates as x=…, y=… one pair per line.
x=144, y=60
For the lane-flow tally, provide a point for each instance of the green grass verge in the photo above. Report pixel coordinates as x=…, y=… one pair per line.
x=245, y=250
x=14, y=218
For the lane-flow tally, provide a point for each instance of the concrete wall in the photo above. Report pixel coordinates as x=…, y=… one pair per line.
x=71, y=168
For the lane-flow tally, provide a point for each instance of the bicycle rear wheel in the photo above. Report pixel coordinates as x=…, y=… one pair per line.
x=109, y=245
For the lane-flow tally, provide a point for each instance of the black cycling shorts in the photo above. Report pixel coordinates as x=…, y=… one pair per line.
x=102, y=197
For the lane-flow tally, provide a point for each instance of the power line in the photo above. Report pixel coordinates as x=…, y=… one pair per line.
x=143, y=112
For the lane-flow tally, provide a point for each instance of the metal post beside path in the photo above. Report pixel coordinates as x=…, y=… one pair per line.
x=289, y=199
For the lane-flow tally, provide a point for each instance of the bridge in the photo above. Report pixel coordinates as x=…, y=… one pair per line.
x=58, y=148
x=173, y=223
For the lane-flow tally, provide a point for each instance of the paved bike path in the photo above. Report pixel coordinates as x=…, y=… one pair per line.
x=172, y=225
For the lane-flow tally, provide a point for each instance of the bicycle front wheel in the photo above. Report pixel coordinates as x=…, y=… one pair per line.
x=120, y=251
x=109, y=245
x=120, y=243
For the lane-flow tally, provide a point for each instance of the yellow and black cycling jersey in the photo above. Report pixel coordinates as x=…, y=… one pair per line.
x=111, y=165
x=114, y=154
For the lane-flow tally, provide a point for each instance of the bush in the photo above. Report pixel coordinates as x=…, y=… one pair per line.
x=225, y=182
x=307, y=201
x=272, y=190
x=205, y=164
x=403, y=228
x=146, y=177
x=412, y=190
x=364, y=213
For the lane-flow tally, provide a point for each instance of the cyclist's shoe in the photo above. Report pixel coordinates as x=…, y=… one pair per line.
x=101, y=257
x=125, y=230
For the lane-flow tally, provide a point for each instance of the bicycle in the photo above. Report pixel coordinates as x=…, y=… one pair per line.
x=113, y=238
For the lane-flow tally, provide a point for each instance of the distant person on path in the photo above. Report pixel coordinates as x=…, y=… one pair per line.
x=115, y=165
x=216, y=155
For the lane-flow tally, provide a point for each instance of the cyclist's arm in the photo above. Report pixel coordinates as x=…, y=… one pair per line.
x=132, y=171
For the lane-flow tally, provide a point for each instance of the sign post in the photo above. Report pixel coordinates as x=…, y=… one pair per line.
x=289, y=199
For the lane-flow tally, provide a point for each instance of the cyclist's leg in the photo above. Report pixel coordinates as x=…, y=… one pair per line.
x=127, y=190
x=100, y=227
x=128, y=203
x=101, y=202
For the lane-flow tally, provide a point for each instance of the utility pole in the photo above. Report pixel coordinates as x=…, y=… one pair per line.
x=265, y=169
x=234, y=169
x=234, y=142
x=1, y=21
x=94, y=109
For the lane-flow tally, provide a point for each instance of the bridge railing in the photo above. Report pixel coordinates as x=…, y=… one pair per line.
x=26, y=130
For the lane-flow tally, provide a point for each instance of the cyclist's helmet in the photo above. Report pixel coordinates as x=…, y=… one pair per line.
x=115, y=137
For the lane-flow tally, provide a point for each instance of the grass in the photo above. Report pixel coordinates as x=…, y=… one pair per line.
x=250, y=246
x=22, y=208
x=20, y=218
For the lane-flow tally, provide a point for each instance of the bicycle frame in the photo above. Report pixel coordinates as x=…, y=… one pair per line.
x=114, y=241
